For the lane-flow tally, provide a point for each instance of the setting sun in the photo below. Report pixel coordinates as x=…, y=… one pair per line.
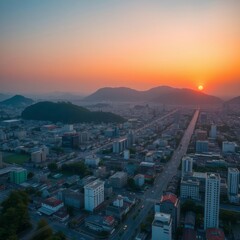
x=200, y=87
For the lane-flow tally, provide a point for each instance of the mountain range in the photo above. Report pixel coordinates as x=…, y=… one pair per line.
x=235, y=101
x=162, y=94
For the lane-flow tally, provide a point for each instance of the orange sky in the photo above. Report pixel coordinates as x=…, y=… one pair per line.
x=80, y=47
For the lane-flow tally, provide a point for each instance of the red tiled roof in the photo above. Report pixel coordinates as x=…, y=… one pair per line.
x=169, y=197
x=215, y=234
x=109, y=219
x=53, y=202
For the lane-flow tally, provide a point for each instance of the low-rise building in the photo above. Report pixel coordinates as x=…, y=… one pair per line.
x=119, y=207
x=214, y=234
x=139, y=180
x=100, y=223
x=228, y=147
x=92, y=161
x=71, y=198
x=118, y=180
x=50, y=206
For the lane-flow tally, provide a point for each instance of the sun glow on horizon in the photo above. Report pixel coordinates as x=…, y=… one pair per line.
x=200, y=87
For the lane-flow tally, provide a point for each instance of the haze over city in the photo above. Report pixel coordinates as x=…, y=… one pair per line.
x=80, y=46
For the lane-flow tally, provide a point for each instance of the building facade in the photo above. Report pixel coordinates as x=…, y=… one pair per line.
x=212, y=198
x=233, y=184
x=93, y=195
x=170, y=204
x=187, y=165
x=189, y=189
x=18, y=175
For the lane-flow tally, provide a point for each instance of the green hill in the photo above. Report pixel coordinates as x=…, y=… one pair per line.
x=67, y=112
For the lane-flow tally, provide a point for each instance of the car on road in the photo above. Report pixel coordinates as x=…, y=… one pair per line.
x=125, y=227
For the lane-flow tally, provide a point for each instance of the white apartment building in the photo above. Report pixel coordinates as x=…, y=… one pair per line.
x=162, y=227
x=189, y=189
x=93, y=194
x=212, y=197
x=187, y=165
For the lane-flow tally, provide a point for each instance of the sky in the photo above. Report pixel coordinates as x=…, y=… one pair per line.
x=83, y=45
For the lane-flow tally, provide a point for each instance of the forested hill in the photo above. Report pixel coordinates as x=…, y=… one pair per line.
x=67, y=112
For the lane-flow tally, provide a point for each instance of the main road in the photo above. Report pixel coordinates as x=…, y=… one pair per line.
x=160, y=185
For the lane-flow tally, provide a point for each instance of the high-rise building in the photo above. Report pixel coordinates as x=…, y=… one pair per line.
x=187, y=165
x=213, y=131
x=130, y=139
x=162, y=227
x=120, y=145
x=170, y=204
x=212, y=197
x=203, y=117
x=18, y=175
x=233, y=184
x=93, y=194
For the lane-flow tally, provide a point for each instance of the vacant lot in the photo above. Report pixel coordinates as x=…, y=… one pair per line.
x=15, y=158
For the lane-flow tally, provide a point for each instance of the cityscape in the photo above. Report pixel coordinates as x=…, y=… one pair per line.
x=119, y=120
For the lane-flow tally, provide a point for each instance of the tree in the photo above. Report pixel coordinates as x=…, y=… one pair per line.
x=14, y=217
x=43, y=231
x=131, y=183
x=30, y=175
x=52, y=167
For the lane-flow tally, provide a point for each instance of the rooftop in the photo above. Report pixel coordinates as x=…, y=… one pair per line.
x=118, y=175
x=94, y=184
x=169, y=197
x=214, y=234
x=161, y=219
x=53, y=202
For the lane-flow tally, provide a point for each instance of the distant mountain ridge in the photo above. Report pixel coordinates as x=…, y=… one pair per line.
x=162, y=94
x=235, y=100
x=67, y=112
x=17, y=101
x=4, y=96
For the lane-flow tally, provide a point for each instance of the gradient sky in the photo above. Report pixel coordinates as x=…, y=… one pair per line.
x=80, y=46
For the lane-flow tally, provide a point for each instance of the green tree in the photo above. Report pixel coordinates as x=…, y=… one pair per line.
x=131, y=183
x=30, y=175
x=14, y=216
x=43, y=231
x=52, y=167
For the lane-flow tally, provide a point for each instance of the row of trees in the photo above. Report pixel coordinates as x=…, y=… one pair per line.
x=73, y=168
